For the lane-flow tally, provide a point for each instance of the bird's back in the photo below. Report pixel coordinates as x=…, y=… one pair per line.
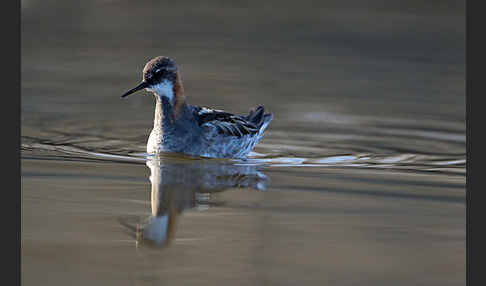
x=231, y=136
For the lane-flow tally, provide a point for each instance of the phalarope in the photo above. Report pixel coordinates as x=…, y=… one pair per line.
x=193, y=130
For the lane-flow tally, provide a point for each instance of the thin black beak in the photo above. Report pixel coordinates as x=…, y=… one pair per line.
x=142, y=85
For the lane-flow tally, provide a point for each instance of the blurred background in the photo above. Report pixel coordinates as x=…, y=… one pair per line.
x=365, y=155
x=390, y=58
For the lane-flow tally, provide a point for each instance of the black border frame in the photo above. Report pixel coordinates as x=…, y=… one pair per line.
x=10, y=116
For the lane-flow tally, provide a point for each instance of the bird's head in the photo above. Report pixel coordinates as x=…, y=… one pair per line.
x=160, y=76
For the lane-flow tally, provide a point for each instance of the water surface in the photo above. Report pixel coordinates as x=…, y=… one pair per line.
x=359, y=180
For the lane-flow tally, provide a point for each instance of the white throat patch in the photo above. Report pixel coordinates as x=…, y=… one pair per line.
x=164, y=88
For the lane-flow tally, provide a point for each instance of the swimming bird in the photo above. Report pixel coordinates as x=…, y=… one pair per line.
x=197, y=131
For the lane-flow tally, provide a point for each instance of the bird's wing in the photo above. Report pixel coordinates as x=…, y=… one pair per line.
x=224, y=122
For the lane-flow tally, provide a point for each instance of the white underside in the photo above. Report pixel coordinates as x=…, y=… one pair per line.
x=154, y=143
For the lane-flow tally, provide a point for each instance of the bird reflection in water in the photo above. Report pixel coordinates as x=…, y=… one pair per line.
x=178, y=185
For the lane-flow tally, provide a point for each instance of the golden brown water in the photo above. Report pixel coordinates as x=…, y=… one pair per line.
x=359, y=180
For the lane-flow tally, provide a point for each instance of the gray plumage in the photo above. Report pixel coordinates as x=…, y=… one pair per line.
x=206, y=132
x=193, y=130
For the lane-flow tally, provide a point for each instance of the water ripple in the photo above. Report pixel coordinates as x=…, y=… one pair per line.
x=273, y=155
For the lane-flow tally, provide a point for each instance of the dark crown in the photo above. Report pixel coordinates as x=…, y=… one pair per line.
x=158, y=69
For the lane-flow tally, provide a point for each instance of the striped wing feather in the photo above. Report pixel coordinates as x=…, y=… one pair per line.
x=227, y=123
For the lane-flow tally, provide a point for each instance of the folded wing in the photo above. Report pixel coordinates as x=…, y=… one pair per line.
x=230, y=124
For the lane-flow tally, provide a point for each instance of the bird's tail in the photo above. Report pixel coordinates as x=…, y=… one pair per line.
x=258, y=117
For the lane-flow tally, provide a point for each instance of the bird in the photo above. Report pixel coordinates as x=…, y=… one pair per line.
x=192, y=130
